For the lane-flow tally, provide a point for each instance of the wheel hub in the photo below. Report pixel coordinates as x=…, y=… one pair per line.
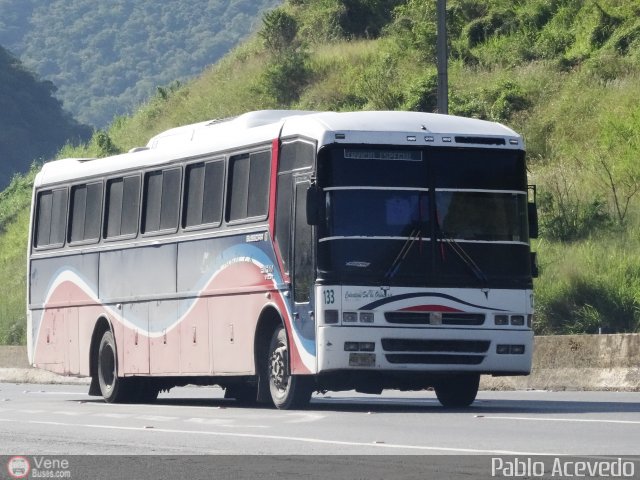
x=279, y=368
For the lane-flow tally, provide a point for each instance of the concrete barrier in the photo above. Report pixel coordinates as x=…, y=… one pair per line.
x=578, y=362
x=560, y=362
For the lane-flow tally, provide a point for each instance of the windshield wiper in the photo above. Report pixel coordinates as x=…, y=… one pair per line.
x=402, y=254
x=460, y=251
x=465, y=257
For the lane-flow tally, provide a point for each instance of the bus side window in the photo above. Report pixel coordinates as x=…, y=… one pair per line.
x=161, y=200
x=248, y=185
x=122, y=205
x=85, y=210
x=50, y=218
x=204, y=184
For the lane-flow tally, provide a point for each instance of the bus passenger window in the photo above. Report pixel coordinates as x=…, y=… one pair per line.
x=85, y=209
x=50, y=218
x=161, y=200
x=204, y=184
x=248, y=186
x=121, y=209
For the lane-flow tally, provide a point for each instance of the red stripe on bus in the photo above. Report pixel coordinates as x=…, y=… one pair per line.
x=430, y=308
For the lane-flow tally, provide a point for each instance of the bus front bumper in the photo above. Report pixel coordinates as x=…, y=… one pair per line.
x=437, y=350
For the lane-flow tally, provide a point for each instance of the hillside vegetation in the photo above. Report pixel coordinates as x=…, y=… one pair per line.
x=33, y=124
x=108, y=57
x=565, y=73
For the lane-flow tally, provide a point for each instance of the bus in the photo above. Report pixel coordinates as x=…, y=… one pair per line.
x=280, y=253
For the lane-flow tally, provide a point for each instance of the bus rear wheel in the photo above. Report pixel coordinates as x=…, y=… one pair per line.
x=114, y=389
x=287, y=391
x=458, y=391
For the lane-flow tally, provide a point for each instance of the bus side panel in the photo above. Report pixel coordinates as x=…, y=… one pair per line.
x=195, y=357
x=57, y=292
x=50, y=351
x=164, y=340
x=133, y=337
x=72, y=361
x=234, y=320
x=137, y=272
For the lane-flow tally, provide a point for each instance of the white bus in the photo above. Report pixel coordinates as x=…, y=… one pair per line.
x=284, y=252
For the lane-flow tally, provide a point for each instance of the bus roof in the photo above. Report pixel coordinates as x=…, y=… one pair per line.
x=253, y=128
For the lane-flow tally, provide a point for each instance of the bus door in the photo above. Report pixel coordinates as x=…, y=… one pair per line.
x=303, y=278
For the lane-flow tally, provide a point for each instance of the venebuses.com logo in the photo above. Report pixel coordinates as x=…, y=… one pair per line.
x=18, y=467
x=38, y=467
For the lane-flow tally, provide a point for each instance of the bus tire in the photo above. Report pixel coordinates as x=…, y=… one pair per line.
x=287, y=391
x=458, y=391
x=114, y=389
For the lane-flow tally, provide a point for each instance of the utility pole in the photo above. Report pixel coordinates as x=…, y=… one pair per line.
x=443, y=79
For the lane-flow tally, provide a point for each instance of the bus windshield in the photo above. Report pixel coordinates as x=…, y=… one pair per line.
x=482, y=216
x=390, y=216
x=365, y=212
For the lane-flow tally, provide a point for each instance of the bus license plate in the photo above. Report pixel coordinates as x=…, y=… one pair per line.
x=362, y=359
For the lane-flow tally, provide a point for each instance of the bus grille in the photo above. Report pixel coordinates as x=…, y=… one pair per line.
x=424, y=318
x=418, y=345
x=434, y=359
x=449, y=352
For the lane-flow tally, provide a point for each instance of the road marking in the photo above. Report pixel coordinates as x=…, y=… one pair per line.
x=391, y=446
x=300, y=417
x=43, y=392
x=156, y=418
x=553, y=419
x=68, y=413
x=113, y=415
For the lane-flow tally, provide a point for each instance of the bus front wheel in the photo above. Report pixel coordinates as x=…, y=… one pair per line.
x=287, y=391
x=458, y=391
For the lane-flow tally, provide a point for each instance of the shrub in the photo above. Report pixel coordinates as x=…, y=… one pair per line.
x=285, y=77
x=103, y=145
x=498, y=103
x=422, y=94
x=278, y=31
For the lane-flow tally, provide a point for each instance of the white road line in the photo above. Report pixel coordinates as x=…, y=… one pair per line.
x=68, y=413
x=112, y=415
x=390, y=446
x=553, y=419
x=43, y=392
x=156, y=418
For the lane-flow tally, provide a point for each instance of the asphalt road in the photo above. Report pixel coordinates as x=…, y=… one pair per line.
x=63, y=420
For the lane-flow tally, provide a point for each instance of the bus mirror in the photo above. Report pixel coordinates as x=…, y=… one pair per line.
x=314, y=195
x=532, y=213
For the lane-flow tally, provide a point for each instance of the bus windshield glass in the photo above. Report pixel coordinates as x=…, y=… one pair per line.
x=388, y=213
x=390, y=216
x=482, y=216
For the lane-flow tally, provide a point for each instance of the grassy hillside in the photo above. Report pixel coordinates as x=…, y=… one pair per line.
x=565, y=73
x=32, y=121
x=107, y=57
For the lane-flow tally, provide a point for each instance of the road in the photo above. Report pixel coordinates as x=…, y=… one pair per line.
x=63, y=420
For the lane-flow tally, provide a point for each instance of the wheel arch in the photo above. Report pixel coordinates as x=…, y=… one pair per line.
x=270, y=318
